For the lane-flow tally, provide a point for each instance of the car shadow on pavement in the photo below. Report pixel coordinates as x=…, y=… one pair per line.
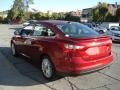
x=19, y=71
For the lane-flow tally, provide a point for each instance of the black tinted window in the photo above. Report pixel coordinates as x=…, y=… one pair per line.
x=25, y=32
x=28, y=30
x=18, y=31
x=77, y=30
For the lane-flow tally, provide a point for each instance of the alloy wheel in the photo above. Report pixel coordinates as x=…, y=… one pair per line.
x=47, y=68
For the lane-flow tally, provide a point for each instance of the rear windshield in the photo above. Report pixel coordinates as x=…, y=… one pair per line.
x=77, y=30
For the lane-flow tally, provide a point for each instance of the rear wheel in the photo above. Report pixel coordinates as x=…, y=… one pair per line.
x=13, y=48
x=47, y=68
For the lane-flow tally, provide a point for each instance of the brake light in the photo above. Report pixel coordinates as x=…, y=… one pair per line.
x=74, y=47
x=70, y=50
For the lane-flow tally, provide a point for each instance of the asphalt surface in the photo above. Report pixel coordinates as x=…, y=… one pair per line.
x=19, y=73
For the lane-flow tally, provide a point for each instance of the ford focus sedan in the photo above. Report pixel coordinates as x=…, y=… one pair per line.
x=63, y=47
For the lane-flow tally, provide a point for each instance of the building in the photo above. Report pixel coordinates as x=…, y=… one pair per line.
x=86, y=15
x=75, y=13
x=86, y=12
x=112, y=8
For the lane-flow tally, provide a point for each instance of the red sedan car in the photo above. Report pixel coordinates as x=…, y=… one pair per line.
x=63, y=47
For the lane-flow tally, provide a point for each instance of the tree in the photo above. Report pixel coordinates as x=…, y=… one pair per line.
x=101, y=13
x=46, y=16
x=61, y=16
x=18, y=11
x=70, y=17
x=1, y=19
x=109, y=17
x=11, y=15
x=54, y=16
x=26, y=7
x=95, y=14
x=118, y=14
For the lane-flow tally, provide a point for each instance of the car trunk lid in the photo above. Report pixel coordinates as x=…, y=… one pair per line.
x=94, y=48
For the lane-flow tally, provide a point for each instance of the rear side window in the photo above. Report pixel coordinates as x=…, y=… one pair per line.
x=77, y=30
x=38, y=31
x=42, y=31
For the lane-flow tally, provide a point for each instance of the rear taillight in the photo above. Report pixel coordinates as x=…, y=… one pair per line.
x=73, y=50
x=70, y=50
x=73, y=47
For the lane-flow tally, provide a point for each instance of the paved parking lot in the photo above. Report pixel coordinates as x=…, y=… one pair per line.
x=20, y=74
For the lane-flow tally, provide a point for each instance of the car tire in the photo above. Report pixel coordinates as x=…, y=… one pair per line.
x=47, y=68
x=13, y=49
x=101, y=32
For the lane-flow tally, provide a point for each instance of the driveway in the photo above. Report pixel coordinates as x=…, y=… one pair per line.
x=21, y=74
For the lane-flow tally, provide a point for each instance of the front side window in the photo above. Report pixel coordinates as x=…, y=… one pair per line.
x=77, y=30
x=26, y=31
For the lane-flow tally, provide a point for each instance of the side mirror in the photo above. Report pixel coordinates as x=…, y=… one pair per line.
x=24, y=35
x=16, y=32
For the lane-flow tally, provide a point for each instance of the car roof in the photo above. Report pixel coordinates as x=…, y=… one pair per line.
x=115, y=26
x=54, y=22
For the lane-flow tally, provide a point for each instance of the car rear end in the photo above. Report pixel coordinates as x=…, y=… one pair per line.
x=85, y=53
x=95, y=54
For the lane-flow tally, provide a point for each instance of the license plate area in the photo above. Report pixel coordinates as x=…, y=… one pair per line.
x=96, y=52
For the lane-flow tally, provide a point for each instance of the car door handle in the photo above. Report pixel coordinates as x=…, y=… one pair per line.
x=28, y=42
x=33, y=38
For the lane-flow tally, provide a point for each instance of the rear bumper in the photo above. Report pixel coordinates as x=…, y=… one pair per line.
x=95, y=69
x=79, y=66
x=90, y=66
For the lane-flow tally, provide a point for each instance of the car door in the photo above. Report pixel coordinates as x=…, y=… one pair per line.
x=22, y=39
x=38, y=41
x=33, y=42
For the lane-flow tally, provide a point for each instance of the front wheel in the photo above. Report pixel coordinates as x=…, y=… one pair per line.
x=47, y=68
x=13, y=48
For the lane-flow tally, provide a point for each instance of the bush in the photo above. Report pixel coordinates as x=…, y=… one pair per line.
x=1, y=19
x=5, y=21
x=69, y=17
